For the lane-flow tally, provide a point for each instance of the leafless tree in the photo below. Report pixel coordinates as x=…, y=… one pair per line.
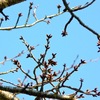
x=55, y=79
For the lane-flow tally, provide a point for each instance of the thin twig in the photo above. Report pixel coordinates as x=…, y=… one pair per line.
x=68, y=23
x=9, y=71
x=28, y=16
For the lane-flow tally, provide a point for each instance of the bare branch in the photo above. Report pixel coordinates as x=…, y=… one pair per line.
x=78, y=19
x=36, y=93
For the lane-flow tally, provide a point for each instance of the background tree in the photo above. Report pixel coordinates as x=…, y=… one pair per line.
x=42, y=68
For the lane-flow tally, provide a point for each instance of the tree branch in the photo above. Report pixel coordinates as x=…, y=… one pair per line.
x=36, y=93
x=78, y=19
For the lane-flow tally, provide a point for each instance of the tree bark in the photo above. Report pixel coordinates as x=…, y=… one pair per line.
x=4, y=95
x=7, y=3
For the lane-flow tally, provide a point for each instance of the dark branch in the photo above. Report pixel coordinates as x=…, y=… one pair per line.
x=35, y=93
x=78, y=19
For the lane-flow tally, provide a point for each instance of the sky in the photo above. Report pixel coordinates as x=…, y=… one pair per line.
x=79, y=41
